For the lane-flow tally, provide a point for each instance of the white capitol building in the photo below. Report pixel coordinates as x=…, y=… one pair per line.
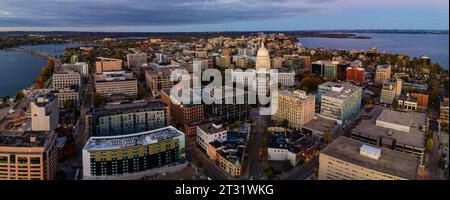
x=262, y=75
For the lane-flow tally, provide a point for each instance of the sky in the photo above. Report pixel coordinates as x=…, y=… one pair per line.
x=221, y=15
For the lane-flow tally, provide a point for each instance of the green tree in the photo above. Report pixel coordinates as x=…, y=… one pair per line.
x=68, y=104
x=97, y=99
x=285, y=123
x=19, y=94
x=310, y=83
x=286, y=165
x=430, y=144
x=141, y=92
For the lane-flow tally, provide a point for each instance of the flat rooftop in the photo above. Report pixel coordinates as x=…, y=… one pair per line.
x=391, y=162
x=22, y=138
x=128, y=107
x=339, y=90
x=415, y=137
x=322, y=125
x=123, y=141
x=294, y=142
x=211, y=128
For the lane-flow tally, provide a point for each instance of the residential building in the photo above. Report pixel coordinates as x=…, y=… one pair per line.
x=407, y=103
x=118, y=82
x=71, y=94
x=127, y=118
x=133, y=156
x=80, y=67
x=422, y=99
x=296, y=107
x=233, y=104
x=444, y=109
x=45, y=112
x=229, y=155
x=292, y=146
x=400, y=131
x=185, y=115
x=108, y=65
x=348, y=159
x=356, y=75
x=277, y=62
x=391, y=90
x=382, y=73
x=66, y=79
x=340, y=101
x=330, y=70
x=201, y=64
x=341, y=72
x=136, y=60
x=158, y=80
x=210, y=132
x=28, y=155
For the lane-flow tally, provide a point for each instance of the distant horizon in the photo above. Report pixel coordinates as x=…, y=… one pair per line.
x=440, y=31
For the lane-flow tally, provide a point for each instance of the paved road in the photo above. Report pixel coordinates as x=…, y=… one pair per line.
x=434, y=155
x=260, y=126
x=302, y=172
x=209, y=168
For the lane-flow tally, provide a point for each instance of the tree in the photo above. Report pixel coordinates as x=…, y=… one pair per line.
x=97, y=99
x=40, y=82
x=430, y=144
x=326, y=137
x=68, y=105
x=310, y=83
x=285, y=123
x=19, y=94
x=141, y=92
x=286, y=165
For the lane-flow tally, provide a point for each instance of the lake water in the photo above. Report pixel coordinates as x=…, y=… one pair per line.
x=413, y=45
x=19, y=70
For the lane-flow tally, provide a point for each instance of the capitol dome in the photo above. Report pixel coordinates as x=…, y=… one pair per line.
x=263, y=58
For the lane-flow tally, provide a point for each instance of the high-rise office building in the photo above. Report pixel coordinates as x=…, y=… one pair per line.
x=45, y=112
x=136, y=60
x=108, y=65
x=296, y=107
x=66, y=79
x=28, y=155
x=117, y=82
x=339, y=101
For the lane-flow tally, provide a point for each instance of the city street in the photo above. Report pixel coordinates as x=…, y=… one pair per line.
x=209, y=168
x=260, y=126
x=302, y=172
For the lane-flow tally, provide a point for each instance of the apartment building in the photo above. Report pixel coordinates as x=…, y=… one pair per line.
x=138, y=154
x=127, y=118
x=136, y=60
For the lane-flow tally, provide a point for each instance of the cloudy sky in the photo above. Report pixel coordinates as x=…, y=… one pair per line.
x=222, y=15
